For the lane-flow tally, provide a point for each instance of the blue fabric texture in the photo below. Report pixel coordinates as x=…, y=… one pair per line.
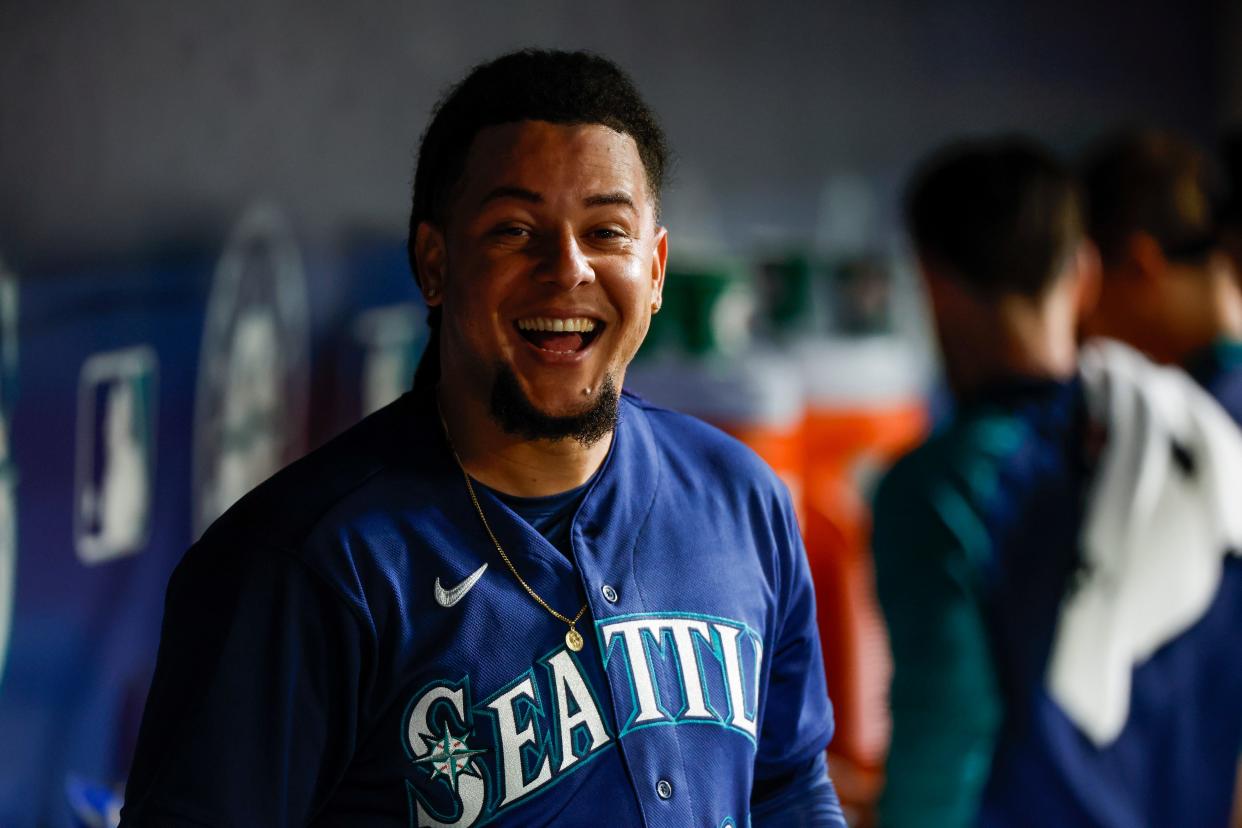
x=551, y=516
x=976, y=543
x=806, y=800
x=310, y=674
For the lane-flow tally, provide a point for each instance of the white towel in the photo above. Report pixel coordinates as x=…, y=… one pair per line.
x=1155, y=534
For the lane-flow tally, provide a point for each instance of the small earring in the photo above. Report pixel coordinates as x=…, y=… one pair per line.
x=431, y=292
x=655, y=305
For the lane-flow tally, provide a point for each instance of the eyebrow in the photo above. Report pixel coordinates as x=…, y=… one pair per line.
x=532, y=197
x=604, y=199
x=520, y=193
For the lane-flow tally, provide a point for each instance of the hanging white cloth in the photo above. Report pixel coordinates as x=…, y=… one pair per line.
x=1163, y=511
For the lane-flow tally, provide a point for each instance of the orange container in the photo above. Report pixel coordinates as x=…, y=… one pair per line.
x=865, y=409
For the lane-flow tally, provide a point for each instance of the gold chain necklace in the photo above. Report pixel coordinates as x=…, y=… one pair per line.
x=573, y=638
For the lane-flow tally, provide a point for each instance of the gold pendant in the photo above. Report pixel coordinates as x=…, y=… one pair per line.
x=573, y=640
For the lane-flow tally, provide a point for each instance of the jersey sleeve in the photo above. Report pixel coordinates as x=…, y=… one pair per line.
x=945, y=705
x=806, y=800
x=251, y=716
x=797, y=722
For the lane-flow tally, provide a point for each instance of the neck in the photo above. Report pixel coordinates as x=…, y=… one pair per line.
x=1195, y=308
x=1226, y=302
x=1017, y=337
x=508, y=463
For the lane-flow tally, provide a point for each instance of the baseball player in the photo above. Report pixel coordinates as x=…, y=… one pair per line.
x=1169, y=286
x=518, y=595
x=1058, y=565
x=1166, y=227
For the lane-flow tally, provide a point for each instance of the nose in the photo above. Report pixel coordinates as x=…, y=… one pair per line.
x=565, y=264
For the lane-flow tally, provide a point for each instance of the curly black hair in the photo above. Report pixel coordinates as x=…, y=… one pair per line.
x=529, y=85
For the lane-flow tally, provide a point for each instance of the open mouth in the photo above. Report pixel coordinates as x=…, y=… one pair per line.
x=562, y=336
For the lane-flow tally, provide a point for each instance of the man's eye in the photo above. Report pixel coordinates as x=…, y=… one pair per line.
x=511, y=231
x=609, y=234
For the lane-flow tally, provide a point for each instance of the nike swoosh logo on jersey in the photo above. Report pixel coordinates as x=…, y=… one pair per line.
x=449, y=597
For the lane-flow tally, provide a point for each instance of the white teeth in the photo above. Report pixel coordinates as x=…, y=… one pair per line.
x=544, y=323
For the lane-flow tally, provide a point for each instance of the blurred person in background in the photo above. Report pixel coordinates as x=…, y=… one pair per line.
x=474, y=605
x=1055, y=564
x=1231, y=222
x=1170, y=288
x=1169, y=230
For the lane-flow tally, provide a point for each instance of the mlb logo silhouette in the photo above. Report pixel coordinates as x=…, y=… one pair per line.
x=115, y=454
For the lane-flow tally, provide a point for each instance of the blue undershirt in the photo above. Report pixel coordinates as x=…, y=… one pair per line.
x=551, y=515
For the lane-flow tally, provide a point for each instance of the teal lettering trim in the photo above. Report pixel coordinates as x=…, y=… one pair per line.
x=658, y=645
x=612, y=619
x=606, y=654
x=467, y=725
x=581, y=730
x=492, y=812
x=744, y=632
x=716, y=646
x=695, y=638
x=749, y=688
x=413, y=794
x=526, y=710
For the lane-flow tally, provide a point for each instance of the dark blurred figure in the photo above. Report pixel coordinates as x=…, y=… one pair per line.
x=1052, y=667
x=1231, y=221
x=1169, y=229
x=1156, y=212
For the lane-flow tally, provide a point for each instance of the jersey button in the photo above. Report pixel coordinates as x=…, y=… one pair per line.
x=610, y=594
x=664, y=789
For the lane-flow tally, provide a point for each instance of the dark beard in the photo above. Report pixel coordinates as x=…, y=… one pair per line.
x=516, y=414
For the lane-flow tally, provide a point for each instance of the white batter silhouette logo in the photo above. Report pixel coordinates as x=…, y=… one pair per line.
x=115, y=453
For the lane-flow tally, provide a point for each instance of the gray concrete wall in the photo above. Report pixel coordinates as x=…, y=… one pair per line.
x=129, y=122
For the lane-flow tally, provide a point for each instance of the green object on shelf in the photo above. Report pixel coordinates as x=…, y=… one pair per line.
x=801, y=295
x=708, y=308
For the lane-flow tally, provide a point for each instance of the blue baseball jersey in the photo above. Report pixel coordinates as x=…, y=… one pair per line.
x=346, y=647
x=1218, y=369
x=977, y=542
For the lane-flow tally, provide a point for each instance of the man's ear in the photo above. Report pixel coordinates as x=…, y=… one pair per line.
x=431, y=254
x=1145, y=258
x=659, y=264
x=1088, y=276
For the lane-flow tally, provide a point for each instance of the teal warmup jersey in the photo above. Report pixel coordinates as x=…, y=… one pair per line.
x=345, y=646
x=977, y=544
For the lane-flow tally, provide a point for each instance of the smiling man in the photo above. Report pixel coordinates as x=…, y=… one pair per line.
x=517, y=595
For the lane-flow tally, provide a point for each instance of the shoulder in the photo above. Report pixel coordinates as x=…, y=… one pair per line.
x=965, y=455
x=338, y=521
x=1219, y=370
x=700, y=453
x=287, y=507
x=935, y=506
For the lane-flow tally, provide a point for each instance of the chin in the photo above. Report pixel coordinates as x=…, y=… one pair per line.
x=562, y=404
x=562, y=393
x=554, y=416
